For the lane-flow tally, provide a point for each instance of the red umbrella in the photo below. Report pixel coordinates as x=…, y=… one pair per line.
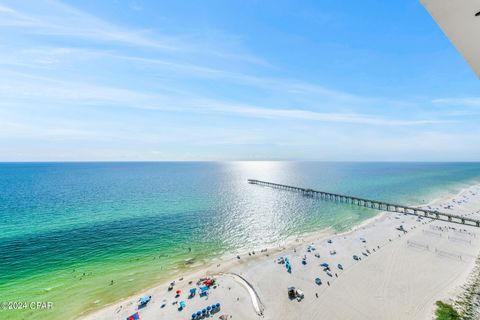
x=208, y=282
x=178, y=291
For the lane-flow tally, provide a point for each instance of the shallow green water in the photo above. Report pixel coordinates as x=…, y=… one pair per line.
x=68, y=229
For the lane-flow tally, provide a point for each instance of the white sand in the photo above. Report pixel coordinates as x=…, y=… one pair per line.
x=400, y=280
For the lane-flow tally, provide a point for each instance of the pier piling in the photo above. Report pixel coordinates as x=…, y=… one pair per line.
x=373, y=204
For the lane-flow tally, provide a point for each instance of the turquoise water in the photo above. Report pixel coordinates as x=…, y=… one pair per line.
x=68, y=229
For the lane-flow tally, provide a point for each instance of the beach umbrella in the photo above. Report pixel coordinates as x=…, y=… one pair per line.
x=134, y=316
x=204, y=310
x=209, y=308
x=199, y=313
x=178, y=291
x=208, y=282
x=214, y=306
x=218, y=305
x=145, y=299
x=194, y=315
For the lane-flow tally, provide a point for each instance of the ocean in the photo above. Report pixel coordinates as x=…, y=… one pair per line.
x=82, y=235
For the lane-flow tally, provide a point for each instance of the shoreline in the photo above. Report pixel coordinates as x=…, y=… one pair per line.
x=204, y=269
x=227, y=262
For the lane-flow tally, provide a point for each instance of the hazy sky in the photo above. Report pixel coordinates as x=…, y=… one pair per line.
x=223, y=80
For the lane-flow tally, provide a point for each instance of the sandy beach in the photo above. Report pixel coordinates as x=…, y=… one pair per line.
x=400, y=273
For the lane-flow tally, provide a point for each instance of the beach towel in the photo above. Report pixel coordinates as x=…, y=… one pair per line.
x=134, y=316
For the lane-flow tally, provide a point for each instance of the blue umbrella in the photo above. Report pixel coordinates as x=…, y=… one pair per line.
x=194, y=315
x=204, y=310
x=214, y=306
x=145, y=299
x=218, y=305
x=199, y=313
x=209, y=308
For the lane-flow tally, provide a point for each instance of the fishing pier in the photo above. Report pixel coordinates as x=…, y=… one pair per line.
x=372, y=204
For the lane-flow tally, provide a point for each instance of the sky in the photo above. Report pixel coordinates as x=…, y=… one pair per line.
x=222, y=80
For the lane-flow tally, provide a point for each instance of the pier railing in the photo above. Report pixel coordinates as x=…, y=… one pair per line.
x=373, y=204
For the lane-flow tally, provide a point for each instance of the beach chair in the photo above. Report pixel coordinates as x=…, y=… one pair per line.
x=182, y=305
x=203, y=291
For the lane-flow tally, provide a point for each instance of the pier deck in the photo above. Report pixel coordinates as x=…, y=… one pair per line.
x=373, y=204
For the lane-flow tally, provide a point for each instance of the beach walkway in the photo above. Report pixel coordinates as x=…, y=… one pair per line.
x=257, y=304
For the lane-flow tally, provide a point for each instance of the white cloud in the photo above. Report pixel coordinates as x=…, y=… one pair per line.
x=55, y=18
x=467, y=102
x=53, y=91
x=297, y=114
x=53, y=94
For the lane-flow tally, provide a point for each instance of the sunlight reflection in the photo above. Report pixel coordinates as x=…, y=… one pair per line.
x=255, y=214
